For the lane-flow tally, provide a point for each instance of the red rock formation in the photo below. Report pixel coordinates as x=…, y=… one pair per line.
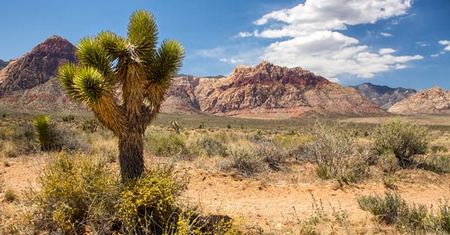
x=431, y=101
x=36, y=67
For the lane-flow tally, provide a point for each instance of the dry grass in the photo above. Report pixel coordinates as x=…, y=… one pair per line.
x=276, y=198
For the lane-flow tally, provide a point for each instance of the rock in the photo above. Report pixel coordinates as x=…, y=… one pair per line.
x=432, y=101
x=270, y=91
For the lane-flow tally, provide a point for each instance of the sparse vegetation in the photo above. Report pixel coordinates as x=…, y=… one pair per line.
x=392, y=209
x=166, y=144
x=403, y=139
x=81, y=192
x=212, y=146
x=336, y=154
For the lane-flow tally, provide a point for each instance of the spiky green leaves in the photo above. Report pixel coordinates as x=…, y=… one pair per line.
x=167, y=61
x=142, y=35
x=90, y=84
x=114, y=45
x=91, y=53
x=84, y=84
x=66, y=75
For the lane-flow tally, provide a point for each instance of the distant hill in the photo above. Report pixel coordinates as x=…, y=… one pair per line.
x=3, y=64
x=29, y=81
x=37, y=66
x=383, y=96
x=432, y=101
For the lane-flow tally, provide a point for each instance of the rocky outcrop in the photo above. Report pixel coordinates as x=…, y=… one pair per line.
x=431, y=101
x=36, y=67
x=270, y=91
x=383, y=96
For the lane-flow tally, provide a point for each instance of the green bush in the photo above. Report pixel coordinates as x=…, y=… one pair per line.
x=436, y=163
x=167, y=145
x=212, y=147
x=336, y=154
x=44, y=133
x=150, y=203
x=392, y=209
x=402, y=139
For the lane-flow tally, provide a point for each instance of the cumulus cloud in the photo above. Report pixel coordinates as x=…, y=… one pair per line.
x=445, y=43
x=311, y=35
x=332, y=54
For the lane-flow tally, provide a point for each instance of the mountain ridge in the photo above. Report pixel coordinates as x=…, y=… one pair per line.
x=264, y=90
x=382, y=95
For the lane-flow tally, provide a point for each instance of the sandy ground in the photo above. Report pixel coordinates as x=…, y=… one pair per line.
x=276, y=201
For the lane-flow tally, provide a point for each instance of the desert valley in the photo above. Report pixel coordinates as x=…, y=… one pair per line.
x=242, y=143
x=258, y=117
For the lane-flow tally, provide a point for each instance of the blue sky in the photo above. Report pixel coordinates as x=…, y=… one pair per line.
x=392, y=42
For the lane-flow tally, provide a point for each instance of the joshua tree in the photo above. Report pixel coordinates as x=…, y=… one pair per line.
x=123, y=81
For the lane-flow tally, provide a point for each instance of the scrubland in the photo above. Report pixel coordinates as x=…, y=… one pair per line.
x=227, y=176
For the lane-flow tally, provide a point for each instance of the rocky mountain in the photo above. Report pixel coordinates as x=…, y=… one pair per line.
x=37, y=66
x=268, y=91
x=431, y=101
x=3, y=64
x=383, y=96
x=263, y=91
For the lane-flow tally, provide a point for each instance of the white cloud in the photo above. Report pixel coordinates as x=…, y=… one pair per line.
x=385, y=51
x=311, y=35
x=384, y=34
x=332, y=54
x=244, y=34
x=445, y=43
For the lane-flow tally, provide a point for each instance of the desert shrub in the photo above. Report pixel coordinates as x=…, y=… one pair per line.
x=271, y=154
x=245, y=161
x=256, y=158
x=388, y=163
x=436, y=163
x=443, y=217
x=90, y=125
x=166, y=144
x=75, y=192
x=8, y=149
x=402, y=139
x=80, y=193
x=212, y=146
x=392, y=209
x=385, y=209
x=10, y=195
x=438, y=149
x=68, y=118
x=150, y=203
x=337, y=156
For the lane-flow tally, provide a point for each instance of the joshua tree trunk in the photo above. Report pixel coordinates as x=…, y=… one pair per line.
x=131, y=156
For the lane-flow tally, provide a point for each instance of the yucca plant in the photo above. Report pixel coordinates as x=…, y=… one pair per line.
x=41, y=126
x=123, y=81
